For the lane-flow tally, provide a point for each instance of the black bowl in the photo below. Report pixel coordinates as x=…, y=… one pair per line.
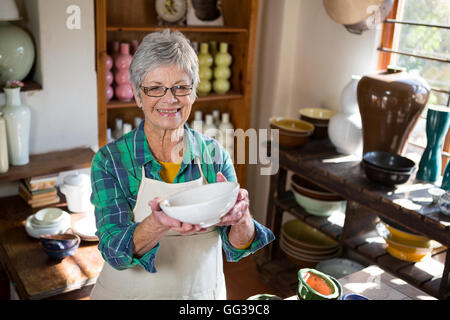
x=389, y=161
x=385, y=177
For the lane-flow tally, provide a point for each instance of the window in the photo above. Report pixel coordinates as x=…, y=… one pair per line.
x=416, y=36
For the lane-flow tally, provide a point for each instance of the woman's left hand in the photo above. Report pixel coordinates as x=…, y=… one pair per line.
x=240, y=212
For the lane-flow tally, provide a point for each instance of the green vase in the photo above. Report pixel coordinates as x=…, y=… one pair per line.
x=222, y=72
x=16, y=53
x=205, y=61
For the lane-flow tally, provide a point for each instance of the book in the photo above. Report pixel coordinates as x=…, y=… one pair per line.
x=26, y=194
x=56, y=199
x=41, y=182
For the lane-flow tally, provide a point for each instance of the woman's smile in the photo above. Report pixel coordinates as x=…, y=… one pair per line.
x=169, y=112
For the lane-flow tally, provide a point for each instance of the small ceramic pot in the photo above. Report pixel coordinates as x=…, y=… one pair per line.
x=354, y=296
x=306, y=292
x=264, y=296
x=59, y=248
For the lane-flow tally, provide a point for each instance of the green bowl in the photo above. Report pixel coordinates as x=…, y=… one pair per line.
x=305, y=292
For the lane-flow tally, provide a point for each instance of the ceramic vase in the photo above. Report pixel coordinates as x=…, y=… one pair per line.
x=390, y=103
x=134, y=46
x=222, y=72
x=17, y=117
x=122, y=63
x=205, y=61
x=446, y=178
x=345, y=127
x=430, y=165
x=17, y=53
x=109, y=78
x=4, y=162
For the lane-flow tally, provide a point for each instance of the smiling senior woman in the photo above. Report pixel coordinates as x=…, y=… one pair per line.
x=148, y=254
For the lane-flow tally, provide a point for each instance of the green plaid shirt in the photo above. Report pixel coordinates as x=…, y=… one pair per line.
x=116, y=174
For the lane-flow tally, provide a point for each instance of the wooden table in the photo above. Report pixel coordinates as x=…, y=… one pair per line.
x=34, y=274
x=377, y=284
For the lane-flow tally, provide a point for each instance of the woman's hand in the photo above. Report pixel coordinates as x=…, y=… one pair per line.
x=240, y=213
x=171, y=223
x=242, y=229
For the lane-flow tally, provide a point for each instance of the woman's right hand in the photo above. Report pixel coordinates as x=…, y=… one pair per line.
x=174, y=224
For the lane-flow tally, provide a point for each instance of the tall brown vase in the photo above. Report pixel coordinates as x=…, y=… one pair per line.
x=390, y=103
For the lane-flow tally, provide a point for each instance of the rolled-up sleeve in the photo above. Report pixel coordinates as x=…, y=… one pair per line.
x=113, y=214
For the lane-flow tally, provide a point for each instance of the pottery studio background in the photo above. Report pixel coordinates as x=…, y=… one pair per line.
x=293, y=69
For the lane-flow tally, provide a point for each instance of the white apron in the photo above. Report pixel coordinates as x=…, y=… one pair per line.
x=188, y=266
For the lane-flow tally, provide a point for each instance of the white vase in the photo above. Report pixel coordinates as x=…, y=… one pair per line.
x=4, y=162
x=345, y=127
x=18, y=118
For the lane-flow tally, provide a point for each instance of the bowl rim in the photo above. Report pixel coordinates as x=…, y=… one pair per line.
x=314, y=246
x=42, y=211
x=311, y=254
x=62, y=250
x=166, y=201
x=409, y=168
x=303, y=112
x=273, y=120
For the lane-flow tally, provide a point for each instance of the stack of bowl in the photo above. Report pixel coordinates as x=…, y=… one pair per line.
x=403, y=243
x=314, y=199
x=293, y=132
x=306, y=246
x=60, y=246
x=319, y=117
x=387, y=168
x=47, y=221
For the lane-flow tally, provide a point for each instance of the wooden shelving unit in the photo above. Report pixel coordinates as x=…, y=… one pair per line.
x=355, y=230
x=118, y=20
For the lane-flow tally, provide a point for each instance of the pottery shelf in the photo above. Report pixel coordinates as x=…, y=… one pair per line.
x=114, y=104
x=425, y=275
x=239, y=31
x=179, y=28
x=319, y=162
x=48, y=163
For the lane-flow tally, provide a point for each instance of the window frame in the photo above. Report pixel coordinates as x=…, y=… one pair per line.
x=384, y=60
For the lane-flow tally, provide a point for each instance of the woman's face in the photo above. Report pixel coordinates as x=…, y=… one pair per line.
x=168, y=112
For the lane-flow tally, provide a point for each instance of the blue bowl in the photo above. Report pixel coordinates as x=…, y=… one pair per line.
x=354, y=296
x=62, y=241
x=59, y=248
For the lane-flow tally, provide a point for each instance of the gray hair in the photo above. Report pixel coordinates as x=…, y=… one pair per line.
x=164, y=48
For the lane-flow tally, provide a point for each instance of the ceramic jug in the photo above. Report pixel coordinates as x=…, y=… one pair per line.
x=77, y=189
x=430, y=165
x=205, y=61
x=345, y=128
x=390, y=103
x=222, y=72
x=122, y=63
x=18, y=118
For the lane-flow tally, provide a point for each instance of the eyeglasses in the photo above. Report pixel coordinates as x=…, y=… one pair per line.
x=160, y=91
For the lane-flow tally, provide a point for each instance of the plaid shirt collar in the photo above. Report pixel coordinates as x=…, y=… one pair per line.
x=142, y=152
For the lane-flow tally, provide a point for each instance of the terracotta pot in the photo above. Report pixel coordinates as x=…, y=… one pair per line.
x=390, y=103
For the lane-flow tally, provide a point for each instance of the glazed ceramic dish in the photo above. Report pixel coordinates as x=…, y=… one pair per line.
x=407, y=238
x=385, y=177
x=338, y=267
x=48, y=216
x=354, y=296
x=317, y=115
x=61, y=253
x=323, y=287
x=322, y=208
x=307, y=237
x=36, y=231
x=203, y=205
x=311, y=190
x=309, y=254
x=389, y=161
x=59, y=241
x=264, y=296
x=444, y=203
x=292, y=132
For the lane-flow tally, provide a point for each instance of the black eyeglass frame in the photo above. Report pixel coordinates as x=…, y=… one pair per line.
x=172, y=89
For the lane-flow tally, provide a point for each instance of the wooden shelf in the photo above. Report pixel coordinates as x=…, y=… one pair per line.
x=29, y=85
x=51, y=162
x=116, y=104
x=179, y=28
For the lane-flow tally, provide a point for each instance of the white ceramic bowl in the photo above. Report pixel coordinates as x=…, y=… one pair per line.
x=203, y=205
x=48, y=216
x=323, y=208
x=37, y=231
